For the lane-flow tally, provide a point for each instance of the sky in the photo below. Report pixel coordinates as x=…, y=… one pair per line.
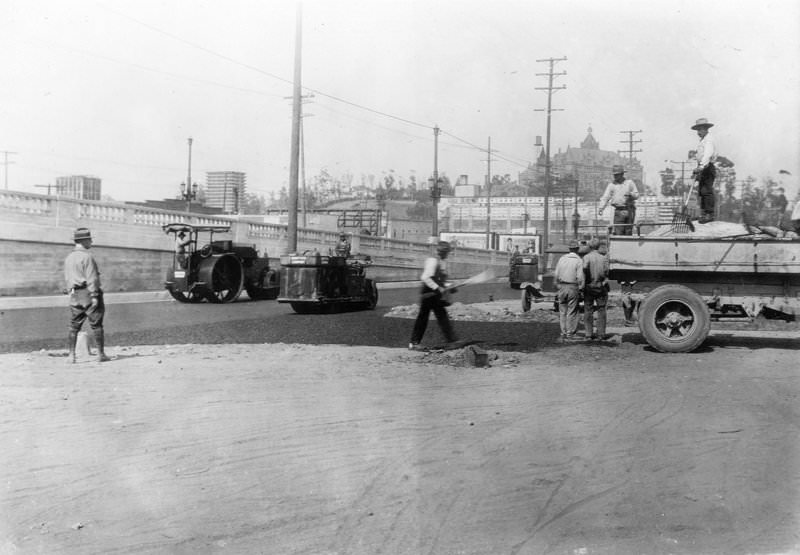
x=115, y=88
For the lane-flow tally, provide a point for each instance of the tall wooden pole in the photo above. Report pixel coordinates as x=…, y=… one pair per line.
x=294, y=165
x=435, y=189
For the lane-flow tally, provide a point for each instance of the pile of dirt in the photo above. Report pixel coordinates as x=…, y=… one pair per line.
x=495, y=311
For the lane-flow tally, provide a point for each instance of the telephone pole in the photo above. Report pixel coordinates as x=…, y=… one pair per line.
x=489, y=195
x=630, y=142
x=294, y=163
x=436, y=186
x=6, y=163
x=550, y=89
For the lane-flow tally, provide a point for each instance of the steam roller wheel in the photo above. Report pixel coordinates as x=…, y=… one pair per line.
x=186, y=296
x=226, y=279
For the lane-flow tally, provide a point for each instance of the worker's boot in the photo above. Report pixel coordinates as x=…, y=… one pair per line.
x=99, y=340
x=72, y=340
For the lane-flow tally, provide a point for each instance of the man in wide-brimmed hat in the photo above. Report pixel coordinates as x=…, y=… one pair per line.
x=621, y=193
x=85, y=294
x=705, y=172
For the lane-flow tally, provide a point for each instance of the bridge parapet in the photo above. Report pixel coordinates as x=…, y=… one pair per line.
x=133, y=252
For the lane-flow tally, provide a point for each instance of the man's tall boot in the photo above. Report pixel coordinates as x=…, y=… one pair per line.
x=99, y=339
x=72, y=340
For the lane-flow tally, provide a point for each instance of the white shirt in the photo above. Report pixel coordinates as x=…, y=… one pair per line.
x=429, y=271
x=570, y=270
x=615, y=193
x=706, y=151
x=796, y=211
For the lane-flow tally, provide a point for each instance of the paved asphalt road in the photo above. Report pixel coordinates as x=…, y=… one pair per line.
x=170, y=322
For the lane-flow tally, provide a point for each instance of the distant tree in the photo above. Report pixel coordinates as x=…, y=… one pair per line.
x=253, y=204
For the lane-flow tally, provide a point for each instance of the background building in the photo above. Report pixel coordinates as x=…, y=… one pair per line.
x=586, y=166
x=84, y=187
x=224, y=190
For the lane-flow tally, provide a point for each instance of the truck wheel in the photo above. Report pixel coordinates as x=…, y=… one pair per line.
x=674, y=319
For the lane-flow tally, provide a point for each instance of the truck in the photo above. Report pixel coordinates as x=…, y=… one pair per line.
x=688, y=281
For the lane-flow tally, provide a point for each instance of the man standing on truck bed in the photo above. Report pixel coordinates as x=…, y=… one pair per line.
x=622, y=194
x=705, y=172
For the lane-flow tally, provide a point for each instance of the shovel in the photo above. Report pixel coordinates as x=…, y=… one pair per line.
x=681, y=222
x=485, y=275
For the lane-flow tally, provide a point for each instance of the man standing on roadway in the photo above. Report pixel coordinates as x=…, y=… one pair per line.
x=622, y=194
x=705, y=172
x=595, y=294
x=434, y=277
x=570, y=280
x=85, y=295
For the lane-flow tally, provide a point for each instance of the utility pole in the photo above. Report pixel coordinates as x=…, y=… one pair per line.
x=436, y=191
x=630, y=142
x=295, y=155
x=549, y=88
x=489, y=195
x=303, y=202
x=6, y=163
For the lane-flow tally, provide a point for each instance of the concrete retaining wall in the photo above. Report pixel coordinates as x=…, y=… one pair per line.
x=133, y=252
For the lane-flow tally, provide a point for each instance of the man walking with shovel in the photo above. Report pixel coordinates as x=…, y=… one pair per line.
x=434, y=289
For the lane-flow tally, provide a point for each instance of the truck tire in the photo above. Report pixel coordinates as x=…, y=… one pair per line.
x=674, y=319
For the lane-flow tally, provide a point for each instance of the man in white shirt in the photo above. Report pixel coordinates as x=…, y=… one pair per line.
x=434, y=280
x=621, y=194
x=570, y=279
x=705, y=173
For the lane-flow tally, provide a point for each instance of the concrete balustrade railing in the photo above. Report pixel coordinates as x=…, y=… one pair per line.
x=133, y=251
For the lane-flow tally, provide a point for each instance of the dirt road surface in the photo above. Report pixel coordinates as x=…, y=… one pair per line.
x=605, y=448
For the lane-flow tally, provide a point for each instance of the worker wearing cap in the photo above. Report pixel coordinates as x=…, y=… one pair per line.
x=434, y=278
x=595, y=292
x=343, y=246
x=181, y=242
x=569, y=278
x=621, y=193
x=705, y=173
x=86, y=296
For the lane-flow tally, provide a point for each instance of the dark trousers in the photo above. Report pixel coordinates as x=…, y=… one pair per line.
x=705, y=190
x=80, y=312
x=623, y=220
x=428, y=304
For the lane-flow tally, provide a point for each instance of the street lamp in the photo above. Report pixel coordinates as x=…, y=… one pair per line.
x=189, y=194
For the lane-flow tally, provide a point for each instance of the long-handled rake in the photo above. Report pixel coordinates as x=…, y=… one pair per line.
x=681, y=222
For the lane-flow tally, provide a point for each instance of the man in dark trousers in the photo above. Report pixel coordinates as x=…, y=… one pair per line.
x=434, y=277
x=706, y=172
x=85, y=295
x=595, y=292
